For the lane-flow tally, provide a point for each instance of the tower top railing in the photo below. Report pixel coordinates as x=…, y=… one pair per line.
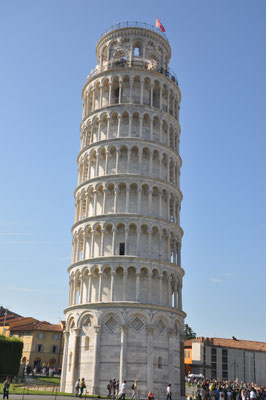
x=138, y=64
x=134, y=24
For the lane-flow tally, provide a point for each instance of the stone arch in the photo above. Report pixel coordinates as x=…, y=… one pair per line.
x=70, y=322
x=137, y=50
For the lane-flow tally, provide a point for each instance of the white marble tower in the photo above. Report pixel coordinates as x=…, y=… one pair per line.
x=124, y=318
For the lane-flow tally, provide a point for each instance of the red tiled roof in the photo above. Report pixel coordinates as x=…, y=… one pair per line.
x=37, y=326
x=231, y=343
x=240, y=344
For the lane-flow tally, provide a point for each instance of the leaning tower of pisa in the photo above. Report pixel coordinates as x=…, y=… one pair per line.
x=124, y=318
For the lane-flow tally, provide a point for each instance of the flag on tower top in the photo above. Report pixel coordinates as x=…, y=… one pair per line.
x=159, y=25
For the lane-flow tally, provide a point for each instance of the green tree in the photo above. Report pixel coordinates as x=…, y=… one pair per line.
x=10, y=355
x=189, y=333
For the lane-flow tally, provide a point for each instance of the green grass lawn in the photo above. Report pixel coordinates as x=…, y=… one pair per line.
x=49, y=380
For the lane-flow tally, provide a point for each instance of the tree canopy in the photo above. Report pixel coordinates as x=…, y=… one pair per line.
x=189, y=333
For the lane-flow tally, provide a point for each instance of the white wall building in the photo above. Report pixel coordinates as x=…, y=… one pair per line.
x=230, y=359
x=124, y=318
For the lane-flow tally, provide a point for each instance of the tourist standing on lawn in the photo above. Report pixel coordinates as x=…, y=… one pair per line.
x=123, y=391
x=135, y=391
x=82, y=387
x=109, y=388
x=168, y=392
x=6, y=388
x=77, y=388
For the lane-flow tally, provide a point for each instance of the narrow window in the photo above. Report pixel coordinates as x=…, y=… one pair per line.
x=136, y=51
x=54, y=349
x=160, y=366
x=87, y=343
x=39, y=348
x=122, y=249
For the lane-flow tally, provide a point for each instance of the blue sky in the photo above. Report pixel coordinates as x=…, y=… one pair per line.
x=47, y=49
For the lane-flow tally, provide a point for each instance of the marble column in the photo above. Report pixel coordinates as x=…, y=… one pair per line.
x=102, y=242
x=117, y=161
x=110, y=93
x=160, y=289
x=64, y=361
x=127, y=199
x=89, y=287
x=141, y=91
x=150, y=366
x=139, y=199
x=138, y=241
x=119, y=125
x=114, y=242
x=123, y=347
x=137, y=286
x=130, y=125
x=126, y=240
x=92, y=244
x=128, y=160
x=96, y=357
x=75, y=356
x=115, y=199
x=108, y=127
x=141, y=126
x=124, y=285
x=150, y=243
x=120, y=93
x=106, y=162
x=113, y=274
x=104, y=200
x=179, y=288
x=175, y=295
x=100, y=287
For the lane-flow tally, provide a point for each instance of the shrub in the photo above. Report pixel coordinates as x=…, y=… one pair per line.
x=10, y=355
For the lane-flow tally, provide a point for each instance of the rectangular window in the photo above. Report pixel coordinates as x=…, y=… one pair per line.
x=26, y=347
x=39, y=348
x=122, y=249
x=40, y=335
x=213, y=358
x=224, y=359
x=55, y=336
x=213, y=351
x=224, y=367
x=224, y=352
x=225, y=375
x=188, y=353
x=54, y=349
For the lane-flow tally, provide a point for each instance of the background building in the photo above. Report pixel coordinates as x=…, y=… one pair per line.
x=42, y=341
x=226, y=359
x=124, y=317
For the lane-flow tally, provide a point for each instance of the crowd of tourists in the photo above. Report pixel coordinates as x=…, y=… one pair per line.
x=117, y=393
x=227, y=390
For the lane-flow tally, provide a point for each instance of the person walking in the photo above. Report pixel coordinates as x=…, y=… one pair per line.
x=123, y=391
x=135, y=391
x=168, y=392
x=6, y=388
x=82, y=386
x=109, y=388
x=114, y=387
x=77, y=388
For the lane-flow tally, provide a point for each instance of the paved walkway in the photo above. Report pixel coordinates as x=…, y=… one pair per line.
x=40, y=397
